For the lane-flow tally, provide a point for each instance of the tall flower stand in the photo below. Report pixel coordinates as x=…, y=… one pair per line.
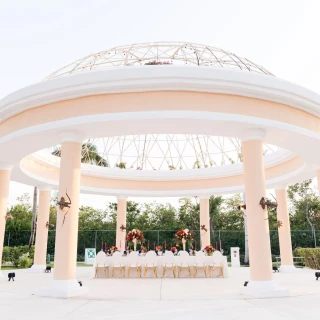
x=134, y=244
x=184, y=241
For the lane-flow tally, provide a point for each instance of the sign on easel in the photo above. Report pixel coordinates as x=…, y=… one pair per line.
x=235, y=256
x=90, y=256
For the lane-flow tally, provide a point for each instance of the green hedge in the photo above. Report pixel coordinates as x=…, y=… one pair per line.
x=13, y=254
x=311, y=257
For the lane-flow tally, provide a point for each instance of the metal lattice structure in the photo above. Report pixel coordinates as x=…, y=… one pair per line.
x=167, y=151
x=183, y=53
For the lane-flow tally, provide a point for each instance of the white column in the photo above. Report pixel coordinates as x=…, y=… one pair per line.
x=204, y=221
x=5, y=172
x=284, y=232
x=65, y=282
x=121, y=222
x=261, y=282
x=40, y=250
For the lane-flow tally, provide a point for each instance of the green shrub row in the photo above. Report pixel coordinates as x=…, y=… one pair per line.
x=18, y=256
x=311, y=257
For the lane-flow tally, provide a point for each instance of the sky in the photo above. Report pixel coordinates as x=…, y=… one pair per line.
x=38, y=37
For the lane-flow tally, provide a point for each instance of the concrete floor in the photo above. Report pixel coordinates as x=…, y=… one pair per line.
x=161, y=298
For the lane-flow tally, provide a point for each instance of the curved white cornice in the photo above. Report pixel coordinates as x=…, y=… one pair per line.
x=154, y=78
x=162, y=175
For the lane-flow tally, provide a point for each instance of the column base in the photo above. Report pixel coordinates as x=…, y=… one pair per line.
x=37, y=268
x=62, y=289
x=264, y=289
x=288, y=268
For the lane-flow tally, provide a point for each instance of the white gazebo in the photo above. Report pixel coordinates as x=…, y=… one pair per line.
x=167, y=119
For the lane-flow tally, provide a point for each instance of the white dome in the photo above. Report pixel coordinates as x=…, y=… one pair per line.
x=183, y=53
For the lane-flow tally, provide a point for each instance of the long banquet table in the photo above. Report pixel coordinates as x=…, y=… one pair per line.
x=159, y=262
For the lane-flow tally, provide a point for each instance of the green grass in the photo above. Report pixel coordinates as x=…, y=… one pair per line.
x=6, y=267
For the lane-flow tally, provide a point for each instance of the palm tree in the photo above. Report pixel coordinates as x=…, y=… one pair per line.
x=34, y=216
x=89, y=154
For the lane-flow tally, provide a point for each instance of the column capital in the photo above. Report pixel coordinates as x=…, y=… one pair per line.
x=280, y=187
x=71, y=136
x=253, y=134
x=45, y=188
x=122, y=197
x=6, y=166
x=204, y=196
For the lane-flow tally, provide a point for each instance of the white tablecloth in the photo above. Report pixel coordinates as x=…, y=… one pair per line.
x=159, y=263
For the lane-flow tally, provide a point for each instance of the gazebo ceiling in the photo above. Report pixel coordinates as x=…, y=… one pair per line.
x=163, y=151
x=155, y=53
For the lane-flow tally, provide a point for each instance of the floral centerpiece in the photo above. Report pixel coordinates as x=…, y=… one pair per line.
x=111, y=249
x=209, y=249
x=184, y=236
x=135, y=236
x=144, y=249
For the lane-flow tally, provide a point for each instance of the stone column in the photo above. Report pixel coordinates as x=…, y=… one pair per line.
x=121, y=221
x=65, y=282
x=40, y=251
x=5, y=171
x=284, y=232
x=261, y=282
x=204, y=221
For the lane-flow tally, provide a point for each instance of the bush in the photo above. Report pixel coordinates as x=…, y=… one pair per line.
x=25, y=261
x=13, y=254
x=311, y=257
x=6, y=254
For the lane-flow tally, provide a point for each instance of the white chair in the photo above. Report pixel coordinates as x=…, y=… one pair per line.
x=116, y=263
x=184, y=262
x=101, y=262
x=168, y=262
x=200, y=262
x=132, y=262
x=217, y=258
x=151, y=262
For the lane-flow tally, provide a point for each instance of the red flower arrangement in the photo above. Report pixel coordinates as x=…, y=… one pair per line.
x=209, y=249
x=112, y=249
x=159, y=248
x=184, y=234
x=135, y=234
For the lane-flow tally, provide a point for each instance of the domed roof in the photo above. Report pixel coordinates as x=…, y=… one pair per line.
x=156, y=53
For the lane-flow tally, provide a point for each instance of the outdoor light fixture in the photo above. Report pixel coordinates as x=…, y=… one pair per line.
x=123, y=228
x=279, y=223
